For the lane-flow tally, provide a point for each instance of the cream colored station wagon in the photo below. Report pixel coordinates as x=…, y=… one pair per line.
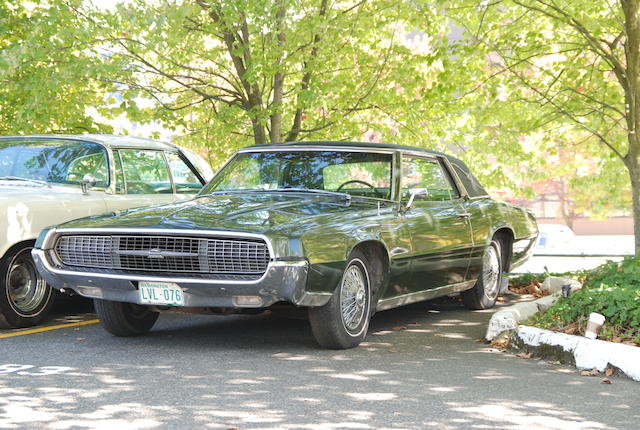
x=49, y=179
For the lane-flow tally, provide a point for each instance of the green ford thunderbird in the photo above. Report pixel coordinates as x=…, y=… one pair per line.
x=341, y=229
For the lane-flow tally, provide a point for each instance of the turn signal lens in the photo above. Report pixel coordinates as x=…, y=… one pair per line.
x=90, y=292
x=248, y=301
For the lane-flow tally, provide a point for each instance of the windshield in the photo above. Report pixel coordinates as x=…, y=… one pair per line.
x=57, y=161
x=355, y=173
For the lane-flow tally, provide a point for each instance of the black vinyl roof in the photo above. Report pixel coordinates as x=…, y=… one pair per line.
x=371, y=145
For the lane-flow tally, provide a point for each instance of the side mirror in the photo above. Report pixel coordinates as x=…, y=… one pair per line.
x=88, y=181
x=416, y=193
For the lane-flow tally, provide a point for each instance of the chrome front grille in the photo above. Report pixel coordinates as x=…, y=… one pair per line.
x=169, y=254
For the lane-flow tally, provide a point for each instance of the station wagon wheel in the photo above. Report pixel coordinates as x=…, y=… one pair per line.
x=25, y=297
x=342, y=322
x=484, y=293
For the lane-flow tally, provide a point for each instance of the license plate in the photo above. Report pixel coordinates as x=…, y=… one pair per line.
x=160, y=293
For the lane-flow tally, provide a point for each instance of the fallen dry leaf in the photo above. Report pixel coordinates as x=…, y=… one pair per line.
x=572, y=328
x=524, y=355
x=534, y=289
x=607, y=381
x=439, y=334
x=392, y=350
x=233, y=428
x=501, y=343
x=585, y=373
x=400, y=327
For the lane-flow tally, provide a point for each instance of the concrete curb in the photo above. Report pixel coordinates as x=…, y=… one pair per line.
x=509, y=319
x=585, y=353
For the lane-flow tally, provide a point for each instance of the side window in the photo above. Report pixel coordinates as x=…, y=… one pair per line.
x=184, y=178
x=145, y=172
x=427, y=174
x=94, y=164
x=470, y=182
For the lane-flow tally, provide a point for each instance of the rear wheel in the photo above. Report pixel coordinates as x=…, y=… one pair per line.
x=343, y=322
x=125, y=319
x=485, y=292
x=25, y=297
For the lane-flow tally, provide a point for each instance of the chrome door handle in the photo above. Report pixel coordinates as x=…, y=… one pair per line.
x=463, y=215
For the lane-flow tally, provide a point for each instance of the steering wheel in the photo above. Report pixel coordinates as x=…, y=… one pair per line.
x=356, y=181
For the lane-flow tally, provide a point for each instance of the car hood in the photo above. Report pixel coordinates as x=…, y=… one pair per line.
x=11, y=189
x=251, y=212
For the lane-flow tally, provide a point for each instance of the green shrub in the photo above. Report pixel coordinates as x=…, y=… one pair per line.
x=613, y=290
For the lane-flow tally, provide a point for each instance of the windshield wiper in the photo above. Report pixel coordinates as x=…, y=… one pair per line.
x=278, y=190
x=316, y=191
x=18, y=178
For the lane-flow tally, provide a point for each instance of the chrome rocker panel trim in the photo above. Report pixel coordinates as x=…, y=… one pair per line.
x=406, y=299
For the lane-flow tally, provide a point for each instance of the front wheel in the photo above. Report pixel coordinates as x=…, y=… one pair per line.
x=342, y=323
x=124, y=319
x=485, y=292
x=25, y=297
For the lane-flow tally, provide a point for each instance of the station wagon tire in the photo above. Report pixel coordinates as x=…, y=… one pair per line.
x=25, y=297
x=124, y=319
x=485, y=292
x=343, y=321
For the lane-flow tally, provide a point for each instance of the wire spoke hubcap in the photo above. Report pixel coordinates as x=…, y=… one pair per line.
x=491, y=272
x=353, y=297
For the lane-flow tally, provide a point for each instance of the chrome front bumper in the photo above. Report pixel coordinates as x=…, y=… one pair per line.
x=283, y=281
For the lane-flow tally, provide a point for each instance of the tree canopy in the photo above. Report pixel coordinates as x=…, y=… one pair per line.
x=48, y=69
x=569, y=71
x=528, y=92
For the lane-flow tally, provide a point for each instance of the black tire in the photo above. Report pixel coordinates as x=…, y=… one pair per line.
x=328, y=325
x=483, y=296
x=25, y=298
x=124, y=319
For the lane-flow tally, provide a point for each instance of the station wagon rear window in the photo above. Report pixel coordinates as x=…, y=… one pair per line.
x=356, y=173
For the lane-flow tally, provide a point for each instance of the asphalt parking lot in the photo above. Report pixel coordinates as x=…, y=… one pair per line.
x=421, y=367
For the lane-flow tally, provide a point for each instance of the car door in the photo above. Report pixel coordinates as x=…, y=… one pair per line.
x=482, y=211
x=440, y=231
x=149, y=177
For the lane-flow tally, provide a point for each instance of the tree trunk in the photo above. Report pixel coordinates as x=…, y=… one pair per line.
x=631, y=9
x=635, y=190
x=259, y=132
x=275, y=133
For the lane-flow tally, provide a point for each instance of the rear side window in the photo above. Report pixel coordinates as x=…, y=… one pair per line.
x=429, y=175
x=145, y=172
x=469, y=181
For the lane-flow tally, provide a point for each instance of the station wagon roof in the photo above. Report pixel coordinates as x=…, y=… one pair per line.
x=110, y=140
